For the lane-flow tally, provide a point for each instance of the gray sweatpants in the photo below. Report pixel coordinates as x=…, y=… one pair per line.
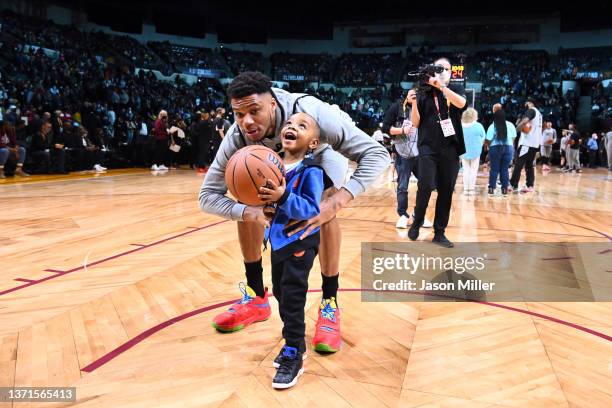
x=573, y=159
x=545, y=150
x=609, y=151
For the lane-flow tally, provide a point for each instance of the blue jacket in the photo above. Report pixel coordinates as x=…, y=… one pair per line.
x=300, y=202
x=592, y=144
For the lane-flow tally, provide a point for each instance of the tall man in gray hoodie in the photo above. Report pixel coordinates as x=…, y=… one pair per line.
x=260, y=112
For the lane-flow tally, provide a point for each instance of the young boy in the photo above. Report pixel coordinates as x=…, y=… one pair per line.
x=297, y=198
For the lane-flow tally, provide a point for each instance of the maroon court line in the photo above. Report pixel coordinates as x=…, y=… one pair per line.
x=151, y=331
x=487, y=229
x=54, y=271
x=140, y=248
x=608, y=237
x=561, y=258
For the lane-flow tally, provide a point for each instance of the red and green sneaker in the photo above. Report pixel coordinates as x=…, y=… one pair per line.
x=251, y=309
x=327, y=333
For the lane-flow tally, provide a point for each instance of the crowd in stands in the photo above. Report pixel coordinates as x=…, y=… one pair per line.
x=602, y=101
x=367, y=69
x=181, y=57
x=585, y=62
x=241, y=61
x=138, y=54
x=313, y=67
x=87, y=87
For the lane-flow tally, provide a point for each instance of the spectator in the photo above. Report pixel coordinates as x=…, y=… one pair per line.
x=549, y=137
x=593, y=150
x=500, y=136
x=84, y=153
x=563, y=149
x=202, y=142
x=43, y=150
x=609, y=148
x=160, y=132
x=474, y=136
x=573, y=158
x=10, y=148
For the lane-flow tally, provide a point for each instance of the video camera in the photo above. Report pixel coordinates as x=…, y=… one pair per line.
x=422, y=75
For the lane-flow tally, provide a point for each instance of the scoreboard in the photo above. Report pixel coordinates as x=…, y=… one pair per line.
x=458, y=73
x=457, y=81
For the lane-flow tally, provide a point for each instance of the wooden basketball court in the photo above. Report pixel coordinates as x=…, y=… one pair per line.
x=109, y=284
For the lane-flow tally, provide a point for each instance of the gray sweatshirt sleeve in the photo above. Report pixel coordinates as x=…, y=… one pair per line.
x=338, y=130
x=212, y=196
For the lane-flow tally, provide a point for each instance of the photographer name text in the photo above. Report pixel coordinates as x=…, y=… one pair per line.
x=423, y=285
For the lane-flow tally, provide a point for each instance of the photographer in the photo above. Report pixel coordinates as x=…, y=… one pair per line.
x=397, y=124
x=438, y=119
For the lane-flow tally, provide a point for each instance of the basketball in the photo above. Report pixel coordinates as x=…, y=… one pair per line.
x=526, y=128
x=249, y=169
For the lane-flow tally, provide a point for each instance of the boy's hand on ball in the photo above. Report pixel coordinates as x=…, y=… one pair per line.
x=272, y=192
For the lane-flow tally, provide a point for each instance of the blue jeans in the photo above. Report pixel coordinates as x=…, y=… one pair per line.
x=405, y=167
x=5, y=153
x=500, y=157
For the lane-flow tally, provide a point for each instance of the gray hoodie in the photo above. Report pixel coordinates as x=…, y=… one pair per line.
x=337, y=131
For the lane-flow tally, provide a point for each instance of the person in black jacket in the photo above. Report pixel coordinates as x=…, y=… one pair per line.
x=43, y=148
x=438, y=118
x=202, y=141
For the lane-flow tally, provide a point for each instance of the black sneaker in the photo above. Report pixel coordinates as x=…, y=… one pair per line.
x=413, y=231
x=277, y=360
x=440, y=239
x=290, y=369
x=505, y=191
x=491, y=191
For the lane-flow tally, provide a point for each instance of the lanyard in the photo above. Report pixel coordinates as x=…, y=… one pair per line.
x=438, y=108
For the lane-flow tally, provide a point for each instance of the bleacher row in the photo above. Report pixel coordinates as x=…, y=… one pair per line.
x=509, y=76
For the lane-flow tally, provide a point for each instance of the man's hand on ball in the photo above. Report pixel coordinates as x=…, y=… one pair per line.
x=256, y=215
x=272, y=192
x=269, y=211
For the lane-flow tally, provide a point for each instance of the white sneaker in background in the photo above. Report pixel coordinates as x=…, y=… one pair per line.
x=162, y=168
x=99, y=169
x=402, y=222
x=427, y=223
x=154, y=167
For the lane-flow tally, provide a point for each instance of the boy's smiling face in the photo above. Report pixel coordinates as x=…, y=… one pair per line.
x=300, y=134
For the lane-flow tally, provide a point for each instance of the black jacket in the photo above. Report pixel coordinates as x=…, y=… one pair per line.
x=394, y=116
x=431, y=137
x=40, y=143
